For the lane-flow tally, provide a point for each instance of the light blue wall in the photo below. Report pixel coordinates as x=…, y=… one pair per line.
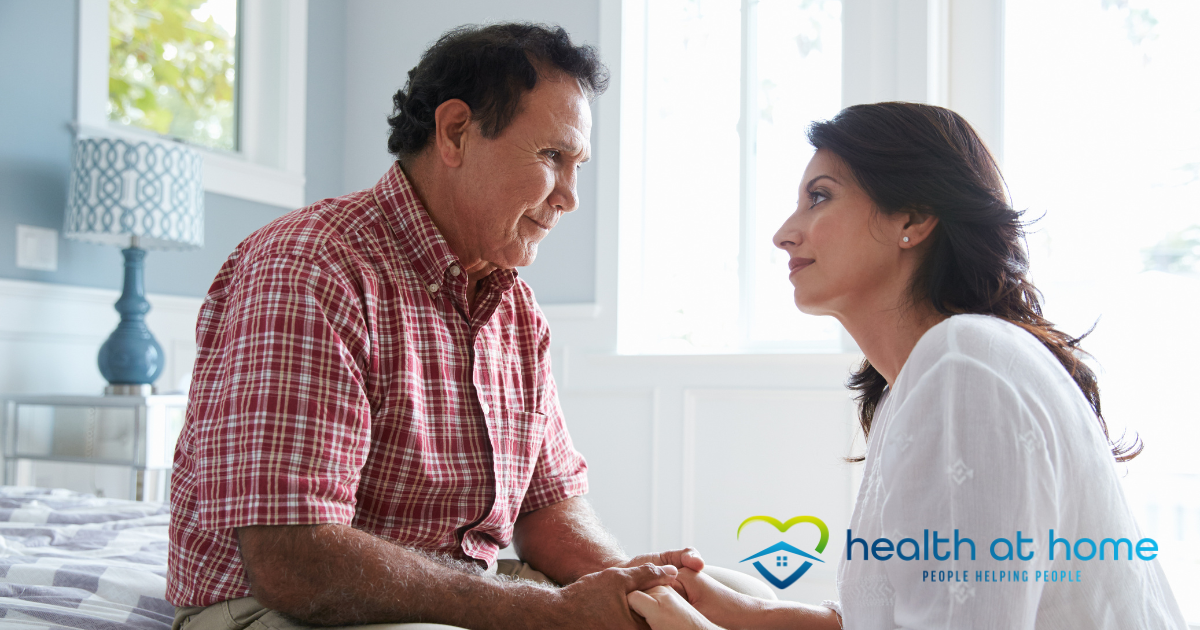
x=37, y=72
x=385, y=38
x=326, y=129
x=354, y=49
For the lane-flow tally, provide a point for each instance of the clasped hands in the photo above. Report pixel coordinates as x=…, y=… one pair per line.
x=679, y=593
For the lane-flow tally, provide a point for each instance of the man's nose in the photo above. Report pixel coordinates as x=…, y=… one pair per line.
x=565, y=198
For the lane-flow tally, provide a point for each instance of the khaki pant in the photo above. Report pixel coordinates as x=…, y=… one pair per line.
x=245, y=613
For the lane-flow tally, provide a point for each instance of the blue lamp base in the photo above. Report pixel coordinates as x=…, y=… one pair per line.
x=131, y=355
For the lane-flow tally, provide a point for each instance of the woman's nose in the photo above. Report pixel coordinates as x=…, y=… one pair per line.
x=789, y=234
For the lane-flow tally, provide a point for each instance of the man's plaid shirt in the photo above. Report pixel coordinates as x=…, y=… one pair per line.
x=339, y=380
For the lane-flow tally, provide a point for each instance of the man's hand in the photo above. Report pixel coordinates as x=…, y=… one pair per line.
x=598, y=600
x=686, y=558
x=666, y=610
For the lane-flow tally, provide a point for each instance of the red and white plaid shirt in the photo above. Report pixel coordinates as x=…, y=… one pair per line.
x=338, y=380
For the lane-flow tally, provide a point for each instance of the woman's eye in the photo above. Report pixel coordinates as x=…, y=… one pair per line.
x=816, y=198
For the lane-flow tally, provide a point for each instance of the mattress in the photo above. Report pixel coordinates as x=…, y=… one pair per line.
x=70, y=560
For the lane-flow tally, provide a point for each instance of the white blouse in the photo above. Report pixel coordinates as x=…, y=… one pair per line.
x=985, y=433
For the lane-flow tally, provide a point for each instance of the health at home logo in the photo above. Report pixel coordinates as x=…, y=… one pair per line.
x=781, y=553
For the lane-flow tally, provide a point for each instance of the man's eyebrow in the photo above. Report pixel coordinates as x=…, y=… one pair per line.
x=814, y=180
x=571, y=148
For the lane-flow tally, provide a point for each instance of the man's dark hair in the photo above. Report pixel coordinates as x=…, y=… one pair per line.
x=489, y=68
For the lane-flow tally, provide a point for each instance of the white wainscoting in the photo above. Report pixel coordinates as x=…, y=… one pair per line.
x=682, y=449
x=50, y=335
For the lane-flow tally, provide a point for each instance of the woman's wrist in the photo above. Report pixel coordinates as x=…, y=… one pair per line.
x=738, y=612
x=786, y=615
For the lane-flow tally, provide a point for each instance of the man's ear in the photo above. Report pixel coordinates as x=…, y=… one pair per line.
x=451, y=120
x=917, y=227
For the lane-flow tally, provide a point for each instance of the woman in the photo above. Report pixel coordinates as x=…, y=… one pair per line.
x=981, y=419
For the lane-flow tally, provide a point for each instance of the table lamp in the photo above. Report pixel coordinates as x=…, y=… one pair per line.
x=136, y=195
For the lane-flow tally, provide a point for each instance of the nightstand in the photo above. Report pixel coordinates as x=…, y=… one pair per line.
x=136, y=432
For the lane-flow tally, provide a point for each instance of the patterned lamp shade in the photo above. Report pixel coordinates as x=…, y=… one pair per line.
x=121, y=189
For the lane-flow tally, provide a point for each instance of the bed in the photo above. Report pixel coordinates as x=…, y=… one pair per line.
x=70, y=560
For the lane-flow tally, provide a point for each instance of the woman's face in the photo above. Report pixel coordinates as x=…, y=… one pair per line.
x=845, y=255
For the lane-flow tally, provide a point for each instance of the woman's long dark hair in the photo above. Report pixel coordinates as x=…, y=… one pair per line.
x=914, y=157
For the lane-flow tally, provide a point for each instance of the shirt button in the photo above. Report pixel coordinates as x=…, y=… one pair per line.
x=432, y=287
x=485, y=407
x=455, y=271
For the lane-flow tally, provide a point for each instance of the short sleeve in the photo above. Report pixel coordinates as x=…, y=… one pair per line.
x=286, y=431
x=561, y=471
x=961, y=454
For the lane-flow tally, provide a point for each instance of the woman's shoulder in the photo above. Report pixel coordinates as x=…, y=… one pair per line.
x=998, y=345
x=987, y=353
x=995, y=376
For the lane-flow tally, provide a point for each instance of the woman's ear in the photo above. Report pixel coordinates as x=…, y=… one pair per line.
x=917, y=228
x=451, y=119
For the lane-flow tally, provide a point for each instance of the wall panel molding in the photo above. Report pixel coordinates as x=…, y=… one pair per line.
x=51, y=333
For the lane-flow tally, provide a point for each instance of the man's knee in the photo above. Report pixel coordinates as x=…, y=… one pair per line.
x=522, y=570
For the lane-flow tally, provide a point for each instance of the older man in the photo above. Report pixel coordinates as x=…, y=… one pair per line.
x=372, y=415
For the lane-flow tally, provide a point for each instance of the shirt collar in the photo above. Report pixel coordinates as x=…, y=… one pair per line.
x=428, y=251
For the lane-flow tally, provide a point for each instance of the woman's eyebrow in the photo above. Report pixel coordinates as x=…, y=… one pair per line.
x=814, y=180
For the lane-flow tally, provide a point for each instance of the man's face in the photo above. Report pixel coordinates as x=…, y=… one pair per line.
x=515, y=187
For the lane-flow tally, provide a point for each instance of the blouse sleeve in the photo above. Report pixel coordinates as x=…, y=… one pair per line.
x=963, y=455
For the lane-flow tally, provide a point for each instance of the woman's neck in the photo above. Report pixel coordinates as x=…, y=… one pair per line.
x=888, y=336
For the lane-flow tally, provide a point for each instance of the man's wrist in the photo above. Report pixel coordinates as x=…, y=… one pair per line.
x=531, y=605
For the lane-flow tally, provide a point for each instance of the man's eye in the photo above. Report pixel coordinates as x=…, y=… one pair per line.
x=551, y=153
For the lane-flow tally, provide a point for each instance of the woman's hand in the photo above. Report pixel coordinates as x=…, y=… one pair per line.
x=664, y=609
x=717, y=602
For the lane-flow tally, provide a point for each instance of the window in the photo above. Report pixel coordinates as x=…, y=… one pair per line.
x=173, y=68
x=1102, y=140
x=713, y=148
x=259, y=154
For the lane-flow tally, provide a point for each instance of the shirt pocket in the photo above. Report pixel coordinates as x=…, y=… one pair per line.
x=517, y=446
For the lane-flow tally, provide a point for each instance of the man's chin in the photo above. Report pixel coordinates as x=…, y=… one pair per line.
x=522, y=258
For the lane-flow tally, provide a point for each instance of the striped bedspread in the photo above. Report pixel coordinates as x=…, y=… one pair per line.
x=69, y=560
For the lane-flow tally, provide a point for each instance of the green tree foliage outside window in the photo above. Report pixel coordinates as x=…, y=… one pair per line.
x=172, y=72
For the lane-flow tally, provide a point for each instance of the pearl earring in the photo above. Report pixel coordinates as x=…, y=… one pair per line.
x=905, y=239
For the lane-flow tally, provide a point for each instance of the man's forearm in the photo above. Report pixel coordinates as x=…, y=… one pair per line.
x=566, y=541
x=337, y=575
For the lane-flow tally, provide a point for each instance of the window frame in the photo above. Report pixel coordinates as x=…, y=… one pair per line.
x=268, y=166
x=943, y=52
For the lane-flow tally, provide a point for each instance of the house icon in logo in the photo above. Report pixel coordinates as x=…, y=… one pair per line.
x=782, y=551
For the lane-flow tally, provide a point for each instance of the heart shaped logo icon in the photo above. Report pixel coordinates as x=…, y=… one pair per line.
x=783, y=549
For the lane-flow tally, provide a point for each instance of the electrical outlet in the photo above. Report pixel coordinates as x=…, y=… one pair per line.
x=37, y=248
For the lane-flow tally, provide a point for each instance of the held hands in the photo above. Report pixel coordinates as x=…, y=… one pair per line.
x=597, y=600
x=686, y=558
x=708, y=604
x=664, y=609
x=600, y=598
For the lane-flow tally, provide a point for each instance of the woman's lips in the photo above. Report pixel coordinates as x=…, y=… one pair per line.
x=796, y=264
